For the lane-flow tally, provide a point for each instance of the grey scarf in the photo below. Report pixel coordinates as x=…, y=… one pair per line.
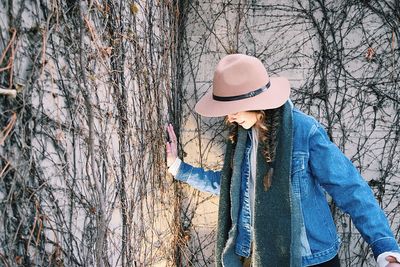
x=276, y=216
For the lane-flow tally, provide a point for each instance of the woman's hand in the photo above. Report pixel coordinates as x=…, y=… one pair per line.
x=392, y=262
x=172, y=146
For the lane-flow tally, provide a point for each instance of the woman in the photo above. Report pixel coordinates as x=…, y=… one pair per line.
x=278, y=165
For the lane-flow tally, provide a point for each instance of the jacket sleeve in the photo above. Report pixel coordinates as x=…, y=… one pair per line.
x=338, y=176
x=206, y=181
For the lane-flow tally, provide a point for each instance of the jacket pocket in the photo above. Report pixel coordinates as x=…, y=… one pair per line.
x=300, y=182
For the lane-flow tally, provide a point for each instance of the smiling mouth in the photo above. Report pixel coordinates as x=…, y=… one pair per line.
x=241, y=123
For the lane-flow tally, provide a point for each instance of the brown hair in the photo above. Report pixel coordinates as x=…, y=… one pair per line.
x=267, y=125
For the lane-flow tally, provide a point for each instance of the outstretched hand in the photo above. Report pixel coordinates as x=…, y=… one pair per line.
x=172, y=146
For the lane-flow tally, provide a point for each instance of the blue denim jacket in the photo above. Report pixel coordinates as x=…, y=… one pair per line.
x=244, y=235
x=318, y=166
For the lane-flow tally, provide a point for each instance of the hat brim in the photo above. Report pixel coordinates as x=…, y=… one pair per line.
x=276, y=95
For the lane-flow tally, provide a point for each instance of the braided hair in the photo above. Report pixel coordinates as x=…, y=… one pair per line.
x=267, y=126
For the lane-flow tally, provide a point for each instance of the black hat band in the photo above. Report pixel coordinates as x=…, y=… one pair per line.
x=244, y=96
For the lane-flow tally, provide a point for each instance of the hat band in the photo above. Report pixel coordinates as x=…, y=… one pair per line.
x=244, y=96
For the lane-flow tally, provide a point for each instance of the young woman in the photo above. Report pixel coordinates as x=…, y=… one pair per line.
x=278, y=165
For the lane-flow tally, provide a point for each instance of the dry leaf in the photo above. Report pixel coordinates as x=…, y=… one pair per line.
x=370, y=54
x=134, y=8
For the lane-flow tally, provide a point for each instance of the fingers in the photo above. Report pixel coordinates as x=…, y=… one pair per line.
x=168, y=148
x=171, y=133
x=391, y=259
x=171, y=146
x=172, y=153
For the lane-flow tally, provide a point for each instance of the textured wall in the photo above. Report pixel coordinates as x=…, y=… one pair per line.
x=82, y=168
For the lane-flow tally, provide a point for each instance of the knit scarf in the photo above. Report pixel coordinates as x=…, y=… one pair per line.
x=277, y=218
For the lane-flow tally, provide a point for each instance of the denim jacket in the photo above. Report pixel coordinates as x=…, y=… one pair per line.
x=318, y=167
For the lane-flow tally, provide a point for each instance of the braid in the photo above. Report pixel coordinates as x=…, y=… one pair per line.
x=272, y=123
x=267, y=125
x=232, y=136
x=233, y=130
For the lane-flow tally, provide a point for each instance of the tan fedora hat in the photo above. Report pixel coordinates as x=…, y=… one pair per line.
x=241, y=83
